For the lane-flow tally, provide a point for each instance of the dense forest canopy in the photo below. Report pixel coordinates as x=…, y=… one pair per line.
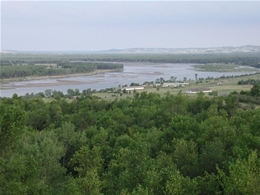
x=148, y=144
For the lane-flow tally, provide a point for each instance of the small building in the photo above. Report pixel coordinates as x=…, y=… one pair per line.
x=133, y=88
x=198, y=90
x=174, y=84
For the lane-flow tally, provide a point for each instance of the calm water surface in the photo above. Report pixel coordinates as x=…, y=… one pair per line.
x=133, y=72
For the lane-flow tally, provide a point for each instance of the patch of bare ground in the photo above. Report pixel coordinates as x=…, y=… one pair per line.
x=58, y=83
x=153, y=73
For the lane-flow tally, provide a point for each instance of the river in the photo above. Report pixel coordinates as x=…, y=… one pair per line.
x=133, y=72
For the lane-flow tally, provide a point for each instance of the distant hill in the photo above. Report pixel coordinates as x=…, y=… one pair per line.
x=6, y=52
x=209, y=50
x=241, y=49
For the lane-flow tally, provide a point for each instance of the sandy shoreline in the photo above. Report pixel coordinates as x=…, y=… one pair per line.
x=58, y=83
x=8, y=83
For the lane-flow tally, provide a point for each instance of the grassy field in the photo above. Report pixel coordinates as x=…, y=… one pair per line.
x=227, y=85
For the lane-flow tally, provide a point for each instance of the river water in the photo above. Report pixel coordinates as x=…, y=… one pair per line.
x=133, y=72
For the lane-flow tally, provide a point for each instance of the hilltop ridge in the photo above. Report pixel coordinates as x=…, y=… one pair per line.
x=206, y=50
x=227, y=49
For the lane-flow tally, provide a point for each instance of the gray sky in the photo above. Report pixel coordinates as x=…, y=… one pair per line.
x=92, y=25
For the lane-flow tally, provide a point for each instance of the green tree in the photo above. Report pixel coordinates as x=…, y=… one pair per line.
x=19, y=175
x=12, y=121
x=46, y=151
x=255, y=90
x=70, y=139
x=48, y=93
x=180, y=185
x=39, y=118
x=55, y=113
x=196, y=77
x=244, y=176
x=70, y=93
x=212, y=155
x=186, y=157
x=173, y=79
x=210, y=184
x=87, y=164
x=87, y=92
x=231, y=104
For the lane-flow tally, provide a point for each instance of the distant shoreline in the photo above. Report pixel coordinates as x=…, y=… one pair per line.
x=7, y=83
x=59, y=76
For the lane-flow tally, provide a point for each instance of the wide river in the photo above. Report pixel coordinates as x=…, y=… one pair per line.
x=133, y=72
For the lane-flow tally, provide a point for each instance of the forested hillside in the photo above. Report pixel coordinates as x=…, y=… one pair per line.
x=147, y=144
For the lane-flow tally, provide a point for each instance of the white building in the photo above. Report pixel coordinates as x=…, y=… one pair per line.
x=174, y=84
x=197, y=90
x=133, y=88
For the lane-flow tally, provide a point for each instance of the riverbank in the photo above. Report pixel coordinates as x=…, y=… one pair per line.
x=9, y=83
x=220, y=67
x=57, y=83
x=59, y=76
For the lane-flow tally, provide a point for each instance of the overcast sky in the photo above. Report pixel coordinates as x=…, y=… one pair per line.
x=92, y=25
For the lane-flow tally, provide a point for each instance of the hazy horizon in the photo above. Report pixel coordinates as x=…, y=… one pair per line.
x=97, y=26
x=3, y=49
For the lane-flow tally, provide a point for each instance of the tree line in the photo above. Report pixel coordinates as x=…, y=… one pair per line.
x=17, y=71
x=249, y=82
x=244, y=59
x=148, y=144
x=250, y=97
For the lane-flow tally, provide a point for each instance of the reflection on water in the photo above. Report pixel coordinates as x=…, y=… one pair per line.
x=137, y=73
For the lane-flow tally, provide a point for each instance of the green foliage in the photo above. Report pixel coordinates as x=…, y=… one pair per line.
x=248, y=59
x=87, y=164
x=186, y=157
x=252, y=96
x=249, y=82
x=255, y=90
x=209, y=184
x=180, y=185
x=65, y=68
x=12, y=121
x=213, y=93
x=244, y=176
x=147, y=144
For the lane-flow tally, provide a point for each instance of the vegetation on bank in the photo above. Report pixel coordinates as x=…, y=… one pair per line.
x=249, y=82
x=242, y=59
x=33, y=65
x=251, y=97
x=68, y=68
x=222, y=85
x=220, y=67
x=148, y=144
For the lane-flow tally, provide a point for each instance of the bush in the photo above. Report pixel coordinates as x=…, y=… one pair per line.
x=213, y=93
